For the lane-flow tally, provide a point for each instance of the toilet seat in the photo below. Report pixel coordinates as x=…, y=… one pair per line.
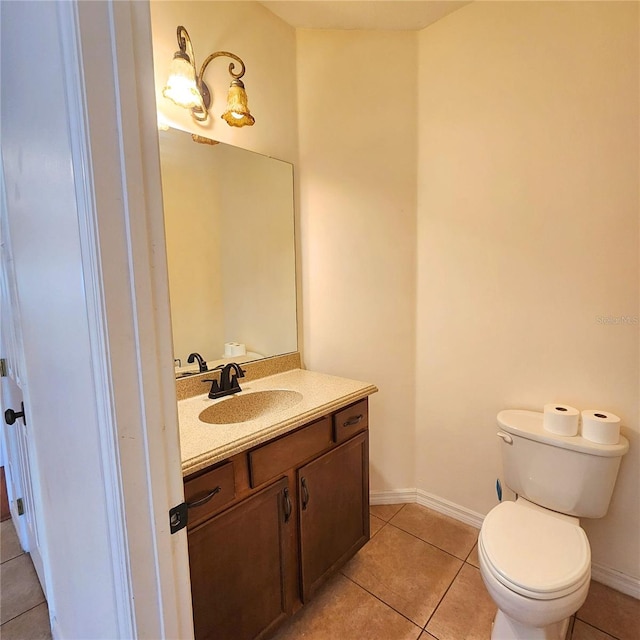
x=534, y=552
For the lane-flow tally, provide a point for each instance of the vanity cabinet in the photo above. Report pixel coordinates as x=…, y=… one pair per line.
x=296, y=510
x=333, y=495
x=239, y=567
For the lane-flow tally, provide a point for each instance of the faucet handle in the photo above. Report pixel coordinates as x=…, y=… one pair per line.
x=215, y=387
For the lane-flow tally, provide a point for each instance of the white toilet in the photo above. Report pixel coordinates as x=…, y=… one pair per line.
x=535, y=558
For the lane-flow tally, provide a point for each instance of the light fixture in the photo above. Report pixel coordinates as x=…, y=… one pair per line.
x=188, y=89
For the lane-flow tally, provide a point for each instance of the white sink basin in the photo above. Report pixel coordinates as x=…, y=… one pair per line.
x=249, y=406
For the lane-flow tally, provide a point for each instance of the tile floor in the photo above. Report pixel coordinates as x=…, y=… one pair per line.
x=23, y=609
x=417, y=579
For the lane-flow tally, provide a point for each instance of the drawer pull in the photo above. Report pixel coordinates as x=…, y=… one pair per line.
x=199, y=503
x=305, y=494
x=287, y=505
x=353, y=420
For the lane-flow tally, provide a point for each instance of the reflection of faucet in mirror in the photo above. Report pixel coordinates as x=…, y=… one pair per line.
x=202, y=365
x=228, y=381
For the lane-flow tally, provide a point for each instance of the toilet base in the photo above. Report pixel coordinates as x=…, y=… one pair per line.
x=506, y=628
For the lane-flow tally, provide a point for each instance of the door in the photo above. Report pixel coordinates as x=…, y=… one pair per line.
x=238, y=567
x=84, y=210
x=333, y=494
x=15, y=436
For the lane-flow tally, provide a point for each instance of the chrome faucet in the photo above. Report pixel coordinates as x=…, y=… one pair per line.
x=202, y=365
x=228, y=381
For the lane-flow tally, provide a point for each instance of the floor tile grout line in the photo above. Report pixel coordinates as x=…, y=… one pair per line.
x=391, y=518
x=386, y=604
x=423, y=628
x=13, y=558
x=444, y=595
x=463, y=561
x=435, y=546
x=23, y=612
x=589, y=624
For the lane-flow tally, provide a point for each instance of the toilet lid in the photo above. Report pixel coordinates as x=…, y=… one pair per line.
x=533, y=552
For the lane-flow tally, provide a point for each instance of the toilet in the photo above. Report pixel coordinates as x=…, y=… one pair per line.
x=535, y=559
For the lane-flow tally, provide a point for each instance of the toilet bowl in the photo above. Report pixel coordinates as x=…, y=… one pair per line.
x=536, y=565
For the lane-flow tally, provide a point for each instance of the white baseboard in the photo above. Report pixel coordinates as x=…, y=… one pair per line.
x=616, y=580
x=425, y=499
x=449, y=509
x=401, y=496
x=600, y=573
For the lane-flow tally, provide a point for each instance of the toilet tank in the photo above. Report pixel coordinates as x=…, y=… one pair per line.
x=571, y=475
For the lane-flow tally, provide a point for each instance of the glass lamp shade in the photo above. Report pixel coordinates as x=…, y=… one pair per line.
x=181, y=86
x=237, y=113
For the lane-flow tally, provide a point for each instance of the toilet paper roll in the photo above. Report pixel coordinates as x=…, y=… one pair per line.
x=232, y=349
x=561, y=419
x=599, y=426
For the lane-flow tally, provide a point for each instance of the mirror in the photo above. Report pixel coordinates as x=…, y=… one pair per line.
x=229, y=223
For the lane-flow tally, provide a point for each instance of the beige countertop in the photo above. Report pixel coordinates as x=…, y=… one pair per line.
x=204, y=444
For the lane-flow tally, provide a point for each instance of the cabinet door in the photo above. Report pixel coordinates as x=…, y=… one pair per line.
x=333, y=494
x=237, y=562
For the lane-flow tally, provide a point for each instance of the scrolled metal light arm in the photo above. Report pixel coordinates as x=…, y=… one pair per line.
x=186, y=53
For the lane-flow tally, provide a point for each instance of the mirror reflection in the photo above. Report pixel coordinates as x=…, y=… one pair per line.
x=229, y=224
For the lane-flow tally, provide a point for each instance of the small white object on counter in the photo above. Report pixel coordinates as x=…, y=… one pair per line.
x=233, y=349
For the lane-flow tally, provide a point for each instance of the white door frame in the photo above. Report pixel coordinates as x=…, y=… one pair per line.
x=109, y=164
x=129, y=243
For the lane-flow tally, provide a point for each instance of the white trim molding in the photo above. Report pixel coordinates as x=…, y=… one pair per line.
x=449, y=509
x=401, y=496
x=600, y=573
x=616, y=580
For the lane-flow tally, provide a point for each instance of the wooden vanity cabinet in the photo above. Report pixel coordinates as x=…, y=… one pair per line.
x=239, y=569
x=297, y=511
x=333, y=494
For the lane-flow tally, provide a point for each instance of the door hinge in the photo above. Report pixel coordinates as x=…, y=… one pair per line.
x=3, y=368
x=20, y=505
x=178, y=517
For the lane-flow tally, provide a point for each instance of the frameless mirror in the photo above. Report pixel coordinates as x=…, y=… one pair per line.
x=229, y=224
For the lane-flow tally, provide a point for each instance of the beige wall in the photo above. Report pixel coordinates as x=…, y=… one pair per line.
x=357, y=106
x=527, y=234
x=498, y=148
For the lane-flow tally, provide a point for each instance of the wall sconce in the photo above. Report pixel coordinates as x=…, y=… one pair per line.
x=187, y=89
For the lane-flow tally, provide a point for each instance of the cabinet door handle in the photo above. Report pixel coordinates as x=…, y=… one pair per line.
x=287, y=505
x=305, y=494
x=353, y=420
x=199, y=503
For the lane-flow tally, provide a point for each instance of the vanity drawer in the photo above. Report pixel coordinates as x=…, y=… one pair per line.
x=207, y=493
x=351, y=420
x=276, y=457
